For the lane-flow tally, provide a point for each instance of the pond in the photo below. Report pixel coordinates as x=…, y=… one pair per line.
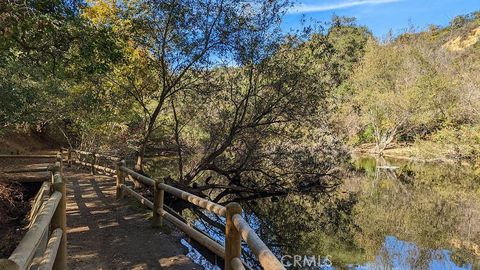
x=388, y=214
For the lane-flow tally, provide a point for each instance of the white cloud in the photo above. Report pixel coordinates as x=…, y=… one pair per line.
x=306, y=8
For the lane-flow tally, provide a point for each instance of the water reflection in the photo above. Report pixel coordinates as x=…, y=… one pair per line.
x=434, y=208
x=397, y=254
x=388, y=214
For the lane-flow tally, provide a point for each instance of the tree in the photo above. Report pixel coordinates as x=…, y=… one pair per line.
x=181, y=41
x=257, y=130
x=348, y=41
x=399, y=87
x=47, y=50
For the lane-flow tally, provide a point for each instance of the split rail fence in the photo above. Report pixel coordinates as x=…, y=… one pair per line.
x=44, y=245
x=236, y=227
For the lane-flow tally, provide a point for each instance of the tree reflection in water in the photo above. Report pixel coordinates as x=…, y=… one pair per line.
x=388, y=215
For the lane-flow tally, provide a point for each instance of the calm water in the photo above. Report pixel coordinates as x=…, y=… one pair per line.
x=387, y=215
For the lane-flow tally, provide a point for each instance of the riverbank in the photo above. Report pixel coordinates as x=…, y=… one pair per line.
x=414, y=153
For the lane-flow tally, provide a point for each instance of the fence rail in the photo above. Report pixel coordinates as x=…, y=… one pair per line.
x=92, y=161
x=28, y=156
x=40, y=249
x=236, y=227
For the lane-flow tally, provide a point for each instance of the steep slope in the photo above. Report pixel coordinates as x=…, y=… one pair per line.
x=463, y=42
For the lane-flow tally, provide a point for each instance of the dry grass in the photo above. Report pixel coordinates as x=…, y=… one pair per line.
x=463, y=42
x=15, y=197
x=13, y=209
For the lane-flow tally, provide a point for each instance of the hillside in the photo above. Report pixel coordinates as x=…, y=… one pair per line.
x=20, y=142
x=464, y=41
x=420, y=90
x=463, y=33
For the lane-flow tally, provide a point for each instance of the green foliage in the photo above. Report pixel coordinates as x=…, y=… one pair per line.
x=366, y=136
x=46, y=51
x=411, y=86
x=461, y=143
x=458, y=22
x=348, y=41
x=424, y=204
x=247, y=113
x=431, y=206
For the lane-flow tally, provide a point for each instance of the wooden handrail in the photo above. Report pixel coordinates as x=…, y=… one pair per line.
x=237, y=264
x=25, y=250
x=48, y=212
x=29, y=170
x=236, y=229
x=28, y=156
x=198, y=236
x=137, y=196
x=39, y=200
x=201, y=238
x=203, y=203
x=261, y=251
x=50, y=254
x=92, y=161
x=242, y=229
x=112, y=158
x=139, y=177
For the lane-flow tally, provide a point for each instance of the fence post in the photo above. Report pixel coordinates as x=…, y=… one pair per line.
x=6, y=264
x=69, y=157
x=59, y=220
x=159, y=194
x=120, y=178
x=94, y=160
x=59, y=163
x=233, y=239
x=83, y=160
x=74, y=156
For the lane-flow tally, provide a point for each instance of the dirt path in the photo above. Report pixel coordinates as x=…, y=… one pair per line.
x=104, y=233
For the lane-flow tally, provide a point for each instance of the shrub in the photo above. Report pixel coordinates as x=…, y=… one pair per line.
x=461, y=143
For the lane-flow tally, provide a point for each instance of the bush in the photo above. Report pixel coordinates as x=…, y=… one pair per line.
x=365, y=136
x=461, y=143
x=13, y=209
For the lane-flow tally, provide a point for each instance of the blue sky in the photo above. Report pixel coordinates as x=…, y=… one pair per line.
x=381, y=15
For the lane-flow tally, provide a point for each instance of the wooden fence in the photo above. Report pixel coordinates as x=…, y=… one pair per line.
x=44, y=245
x=236, y=227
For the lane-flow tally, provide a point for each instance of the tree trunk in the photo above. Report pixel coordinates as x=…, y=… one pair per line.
x=384, y=143
x=140, y=158
x=139, y=164
x=151, y=125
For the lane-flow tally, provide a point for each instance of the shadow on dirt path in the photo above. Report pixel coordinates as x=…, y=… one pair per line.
x=104, y=233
